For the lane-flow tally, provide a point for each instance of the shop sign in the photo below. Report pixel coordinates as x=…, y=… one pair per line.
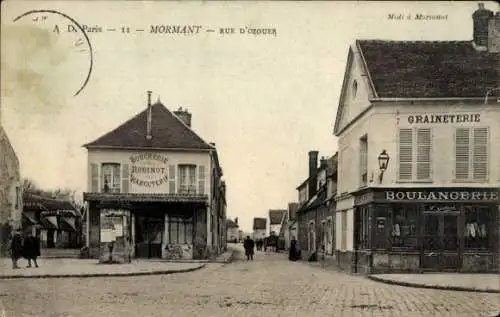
x=148, y=169
x=431, y=209
x=441, y=195
x=444, y=118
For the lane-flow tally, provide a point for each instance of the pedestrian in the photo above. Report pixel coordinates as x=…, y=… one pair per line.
x=293, y=253
x=31, y=249
x=16, y=247
x=248, y=244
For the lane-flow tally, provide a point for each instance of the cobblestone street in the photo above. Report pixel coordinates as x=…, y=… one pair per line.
x=268, y=286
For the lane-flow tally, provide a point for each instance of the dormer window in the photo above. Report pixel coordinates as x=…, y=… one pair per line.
x=354, y=89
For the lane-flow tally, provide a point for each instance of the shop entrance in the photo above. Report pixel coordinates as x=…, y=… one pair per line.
x=149, y=236
x=441, y=245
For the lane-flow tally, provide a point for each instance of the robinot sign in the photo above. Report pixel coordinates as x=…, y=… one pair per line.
x=148, y=169
x=441, y=195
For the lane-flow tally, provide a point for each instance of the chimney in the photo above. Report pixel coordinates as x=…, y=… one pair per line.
x=149, y=136
x=480, y=19
x=494, y=33
x=313, y=168
x=184, y=115
x=323, y=162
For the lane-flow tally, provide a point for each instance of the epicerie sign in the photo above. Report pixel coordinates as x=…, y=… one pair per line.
x=148, y=169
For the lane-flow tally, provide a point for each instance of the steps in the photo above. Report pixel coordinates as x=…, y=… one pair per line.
x=60, y=253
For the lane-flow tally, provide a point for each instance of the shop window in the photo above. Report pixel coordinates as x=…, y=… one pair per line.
x=110, y=177
x=343, y=241
x=180, y=230
x=404, y=226
x=476, y=233
x=364, y=228
x=382, y=240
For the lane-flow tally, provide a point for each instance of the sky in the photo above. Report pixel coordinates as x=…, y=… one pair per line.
x=265, y=100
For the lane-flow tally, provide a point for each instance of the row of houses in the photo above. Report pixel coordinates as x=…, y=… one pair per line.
x=415, y=183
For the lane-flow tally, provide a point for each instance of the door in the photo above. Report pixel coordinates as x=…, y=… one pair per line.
x=149, y=236
x=440, y=245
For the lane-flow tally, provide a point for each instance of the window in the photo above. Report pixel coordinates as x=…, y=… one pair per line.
x=382, y=240
x=476, y=231
x=363, y=160
x=201, y=180
x=187, y=179
x=404, y=226
x=312, y=237
x=110, y=178
x=180, y=230
x=415, y=154
x=471, y=154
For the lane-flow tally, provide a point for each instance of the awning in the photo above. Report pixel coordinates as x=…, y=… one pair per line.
x=49, y=222
x=29, y=219
x=109, y=198
x=67, y=224
x=70, y=221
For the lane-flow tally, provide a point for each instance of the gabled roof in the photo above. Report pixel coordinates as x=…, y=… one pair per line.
x=276, y=216
x=429, y=69
x=168, y=131
x=259, y=223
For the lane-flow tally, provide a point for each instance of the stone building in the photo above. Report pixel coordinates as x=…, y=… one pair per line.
x=155, y=190
x=10, y=189
x=259, y=228
x=290, y=227
x=419, y=141
x=232, y=230
x=315, y=216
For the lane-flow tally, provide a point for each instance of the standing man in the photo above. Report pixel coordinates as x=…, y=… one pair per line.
x=248, y=244
x=16, y=248
x=31, y=249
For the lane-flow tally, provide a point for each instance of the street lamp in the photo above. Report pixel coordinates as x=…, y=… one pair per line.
x=383, y=161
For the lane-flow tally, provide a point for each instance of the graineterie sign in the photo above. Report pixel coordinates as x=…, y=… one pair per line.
x=442, y=195
x=444, y=118
x=148, y=169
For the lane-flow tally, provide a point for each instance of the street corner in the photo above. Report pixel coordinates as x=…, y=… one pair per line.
x=66, y=268
x=478, y=283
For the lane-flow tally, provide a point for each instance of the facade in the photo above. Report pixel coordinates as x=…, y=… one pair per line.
x=232, y=230
x=291, y=224
x=10, y=190
x=276, y=217
x=155, y=190
x=419, y=143
x=259, y=228
x=56, y=222
x=315, y=216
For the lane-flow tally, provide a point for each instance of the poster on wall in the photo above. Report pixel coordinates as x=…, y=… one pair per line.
x=107, y=235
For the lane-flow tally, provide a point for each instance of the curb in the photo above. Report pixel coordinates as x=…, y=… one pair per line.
x=448, y=288
x=159, y=272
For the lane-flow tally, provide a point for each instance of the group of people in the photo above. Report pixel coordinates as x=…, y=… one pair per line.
x=249, y=244
x=28, y=248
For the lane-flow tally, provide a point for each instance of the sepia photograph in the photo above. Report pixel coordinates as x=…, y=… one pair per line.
x=250, y=158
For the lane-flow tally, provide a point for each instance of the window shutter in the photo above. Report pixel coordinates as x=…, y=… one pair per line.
x=462, y=151
x=424, y=140
x=171, y=179
x=125, y=178
x=405, y=154
x=480, y=156
x=94, y=176
x=201, y=180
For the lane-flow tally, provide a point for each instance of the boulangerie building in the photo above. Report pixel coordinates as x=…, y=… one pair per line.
x=419, y=146
x=155, y=190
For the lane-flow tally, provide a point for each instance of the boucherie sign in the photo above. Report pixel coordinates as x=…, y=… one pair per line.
x=442, y=195
x=148, y=169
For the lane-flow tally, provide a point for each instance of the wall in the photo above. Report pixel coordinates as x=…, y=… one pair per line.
x=232, y=234
x=275, y=228
x=259, y=234
x=10, y=188
x=174, y=158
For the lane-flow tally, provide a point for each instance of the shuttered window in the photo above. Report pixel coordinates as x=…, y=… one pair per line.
x=471, y=154
x=363, y=160
x=94, y=176
x=415, y=149
x=125, y=178
x=201, y=179
x=171, y=179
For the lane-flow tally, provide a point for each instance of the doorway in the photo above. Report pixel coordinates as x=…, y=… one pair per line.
x=149, y=236
x=441, y=245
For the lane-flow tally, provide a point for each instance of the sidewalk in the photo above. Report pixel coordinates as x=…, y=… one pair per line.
x=54, y=268
x=488, y=283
